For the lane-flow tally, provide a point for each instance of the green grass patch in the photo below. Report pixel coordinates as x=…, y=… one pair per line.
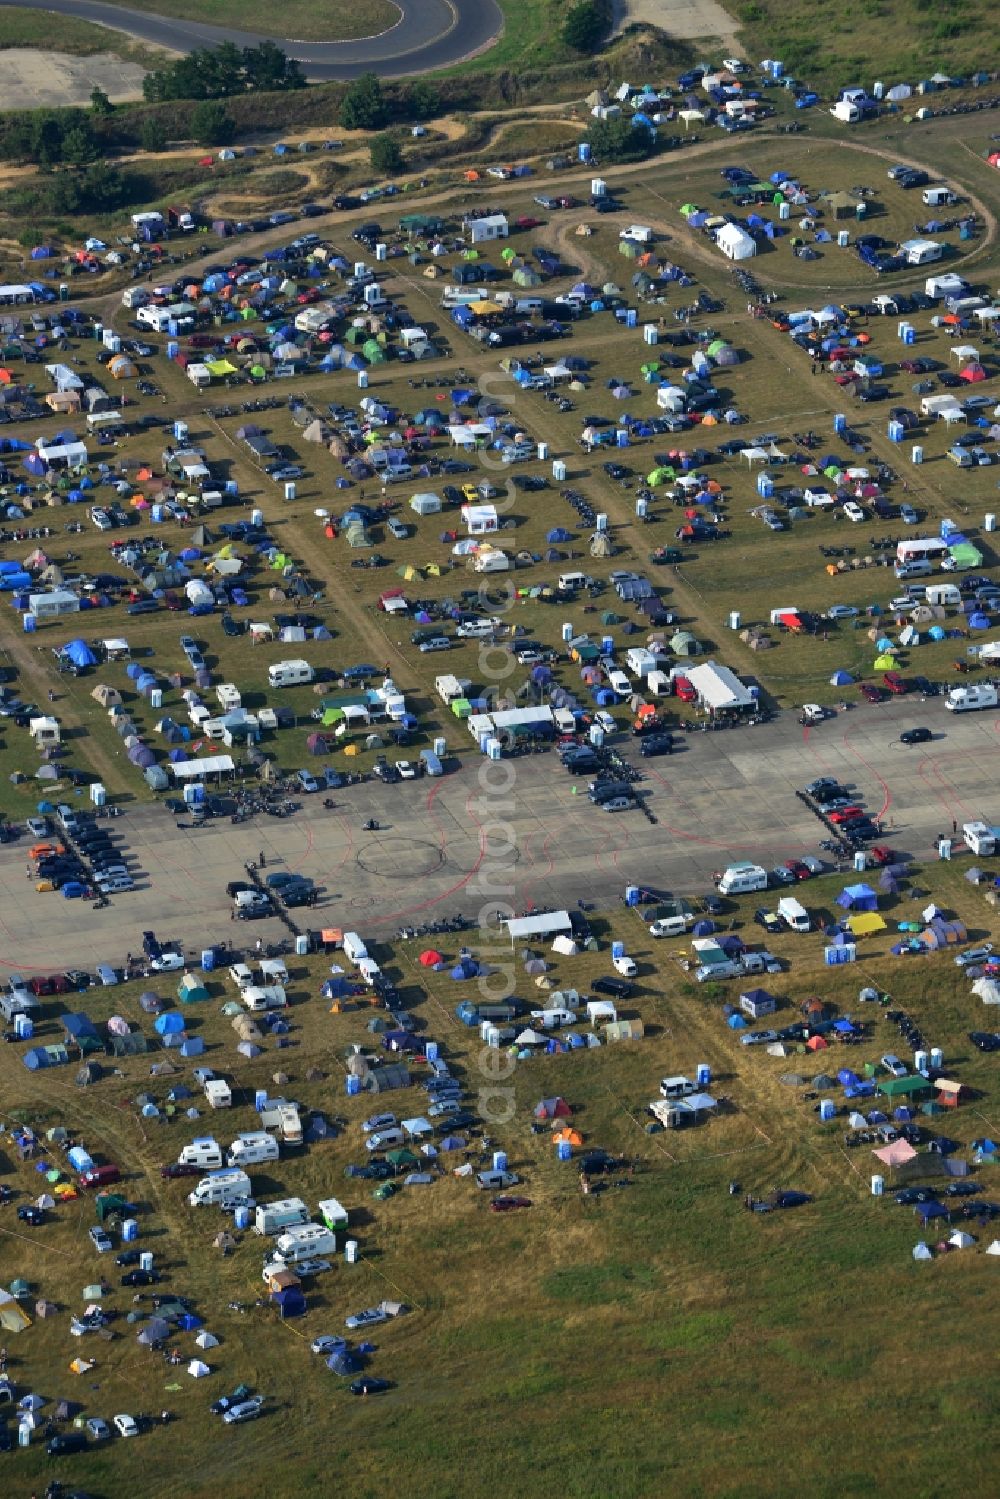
x=301, y=20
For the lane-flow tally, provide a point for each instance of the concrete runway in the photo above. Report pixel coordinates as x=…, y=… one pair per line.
x=723, y=796
x=429, y=34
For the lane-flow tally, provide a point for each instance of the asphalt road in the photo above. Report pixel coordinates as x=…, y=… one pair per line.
x=445, y=846
x=429, y=34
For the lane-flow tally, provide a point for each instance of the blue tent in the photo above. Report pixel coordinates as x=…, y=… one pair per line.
x=192, y=1047
x=169, y=1023
x=703, y=928
x=841, y=679
x=79, y=652
x=467, y=968
x=928, y=1210
x=847, y=1078
x=857, y=898
x=736, y=1023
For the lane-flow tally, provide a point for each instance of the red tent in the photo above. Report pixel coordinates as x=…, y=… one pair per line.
x=430, y=958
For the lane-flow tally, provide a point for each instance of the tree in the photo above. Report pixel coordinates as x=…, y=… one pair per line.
x=211, y=125
x=422, y=101
x=586, y=25
x=100, y=105
x=619, y=140
x=268, y=70
x=363, y=106
x=79, y=148
x=46, y=145
x=387, y=158
x=153, y=134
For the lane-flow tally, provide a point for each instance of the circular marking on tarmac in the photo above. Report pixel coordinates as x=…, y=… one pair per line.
x=400, y=858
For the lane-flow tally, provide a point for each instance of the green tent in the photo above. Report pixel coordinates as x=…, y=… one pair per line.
x=902, y=1087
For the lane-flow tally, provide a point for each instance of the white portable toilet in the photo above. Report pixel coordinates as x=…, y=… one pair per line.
x=567, y=632
x=650, y=333
x=256, y=517
x=878, y=1186
x=440, y=748
x=602, y=522
x=351, y=1251
x=990, y=523
x=543, y=451
x=381, y=252
x=290, y=490
x=598, y=187
x=559, y=471
x=301, y=945
x=843, y=238
x=735, y=619
x=916, y=454
x=156, y=697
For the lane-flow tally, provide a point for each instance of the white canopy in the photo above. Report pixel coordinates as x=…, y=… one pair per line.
x=544, y=924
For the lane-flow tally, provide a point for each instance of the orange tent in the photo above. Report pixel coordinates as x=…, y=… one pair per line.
x=816, y=1043
x=568, y=1137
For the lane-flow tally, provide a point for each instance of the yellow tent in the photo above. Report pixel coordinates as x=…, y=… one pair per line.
x=864, y=923
x=13, y=1318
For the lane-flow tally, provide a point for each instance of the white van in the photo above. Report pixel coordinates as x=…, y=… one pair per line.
x=671, y=926
x=204, y=1152
x=221, y=1189
x=253, y=1148
x=354, y=948
x=385, y=1139
x=740, y=879
x=916, y=567
x=676, y=1087
x=304, y=1241
x=793, y=914
x=564, y=720
x=570, y=582
x=263, y=997
x=276, y=1217
x=290, y=673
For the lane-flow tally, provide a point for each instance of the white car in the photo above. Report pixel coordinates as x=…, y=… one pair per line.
x=407, y=770
x=813, y=713
x=625, y=966
x=893, y=1065
x=841, y=611
x=758, y=1038
x=974, y=955
x=328, y=1344
x=371, y=1317
x=734, y=65
x=125, y=1426
x=854, y=512
x=167, y=962
x=605, y=722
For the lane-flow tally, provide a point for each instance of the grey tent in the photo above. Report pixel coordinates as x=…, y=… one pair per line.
x=383, y=1079
x=88, y=1073
x=155, y=1331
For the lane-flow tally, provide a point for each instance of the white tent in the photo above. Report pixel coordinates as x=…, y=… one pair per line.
x=988, y=991
x=994, y=1248
x=961, y=1240
x=531, y=1038
x=735, y=243
x=600, y=1010
x=197, y=1369
x=206, y=1339
x=566, y=945
x=921, y=1252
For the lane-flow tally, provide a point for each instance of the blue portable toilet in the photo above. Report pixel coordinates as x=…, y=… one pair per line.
x=583, y=151
x=564, y=1150
x=241, y=1218
x=703, y=1075
x=353, y=1086
x=207, y=959
x=840, y=422
x=617, y=950
x=499, y=1160
x=631, y=895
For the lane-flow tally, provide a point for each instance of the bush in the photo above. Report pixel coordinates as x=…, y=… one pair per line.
x=211, y=125
x=586, y=25
x=386, y=157
x=363, y=106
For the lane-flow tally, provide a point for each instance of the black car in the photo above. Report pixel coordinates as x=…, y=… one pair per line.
x=128, y=1257
x=65, y=1442
x=962, y=1188
x=786, y=1199
x=600, y=1163
x=910, y=1196
x=140, y=1278
x=369, y=1385
x=616, y=988
x=656, y=744
x=916, y=736
x=985, y=1040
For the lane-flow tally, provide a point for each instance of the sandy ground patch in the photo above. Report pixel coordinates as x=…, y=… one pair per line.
x=689, y=20
x=30, y=79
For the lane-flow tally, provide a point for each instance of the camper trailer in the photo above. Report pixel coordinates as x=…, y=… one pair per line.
x=290, y=673
x=740, y=879
x=252, y=1149
x=223, y=1189
x=276, y=1217
x=204, y=1152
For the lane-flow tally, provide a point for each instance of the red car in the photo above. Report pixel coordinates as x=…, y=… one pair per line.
x=178, y=1168
x=801, y=871
x=895, y=683
x=509, y=1204
x=881, y=854
x=684, y=690
x=871, y=694
x=526, y=222
x=846, y=814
